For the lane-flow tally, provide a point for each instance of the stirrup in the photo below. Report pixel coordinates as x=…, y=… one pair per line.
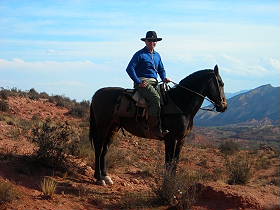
x=165, y=132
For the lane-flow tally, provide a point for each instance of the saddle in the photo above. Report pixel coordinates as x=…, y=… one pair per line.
x=132, y=105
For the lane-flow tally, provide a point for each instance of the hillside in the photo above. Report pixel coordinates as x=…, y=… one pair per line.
x=260, y=105
x=135, y=166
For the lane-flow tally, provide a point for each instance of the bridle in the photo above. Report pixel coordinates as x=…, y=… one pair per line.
x=202, y=96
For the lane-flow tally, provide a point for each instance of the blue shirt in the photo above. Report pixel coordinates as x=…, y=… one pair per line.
x=145, y=64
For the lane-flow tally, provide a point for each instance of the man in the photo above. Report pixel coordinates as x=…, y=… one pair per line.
x=143, y=69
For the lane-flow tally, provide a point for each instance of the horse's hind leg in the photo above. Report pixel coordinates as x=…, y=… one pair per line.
x=101, y=145
x=103, y=167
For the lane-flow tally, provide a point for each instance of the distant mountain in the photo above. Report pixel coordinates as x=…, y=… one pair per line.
x=228, y=95
x=258, y=105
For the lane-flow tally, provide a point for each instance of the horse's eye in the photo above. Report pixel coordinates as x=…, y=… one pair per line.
x=221, y=83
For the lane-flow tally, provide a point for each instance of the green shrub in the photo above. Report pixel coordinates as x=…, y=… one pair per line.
x=55, y=141
x=7, y=192
x=239, y=169
x=229, y=147
x=4, y=106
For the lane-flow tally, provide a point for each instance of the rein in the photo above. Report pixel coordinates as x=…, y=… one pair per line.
x=202, y=96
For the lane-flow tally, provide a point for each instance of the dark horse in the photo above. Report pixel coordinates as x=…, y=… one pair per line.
x=187, y=96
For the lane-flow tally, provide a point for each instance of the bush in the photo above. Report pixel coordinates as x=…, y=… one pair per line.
x=61, y=101
x=7, y=192
x=33, y=94
x=229, y=147
x=180, y=190
x=263, y=162
x=80, y=109
x=55, y=141
x=44, y=95
x=239, y=169
x=4, y=106
x=4, y=94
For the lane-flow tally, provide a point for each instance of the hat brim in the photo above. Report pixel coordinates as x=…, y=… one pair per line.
x=156, y=40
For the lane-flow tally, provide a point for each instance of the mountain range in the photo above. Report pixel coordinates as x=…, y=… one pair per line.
x=254, y=106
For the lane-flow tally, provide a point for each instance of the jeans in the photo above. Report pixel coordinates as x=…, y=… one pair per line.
x=151, y=96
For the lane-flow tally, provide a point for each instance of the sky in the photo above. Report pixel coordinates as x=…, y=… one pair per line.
x=74, y=47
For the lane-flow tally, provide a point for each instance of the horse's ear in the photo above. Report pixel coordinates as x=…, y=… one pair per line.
x=216, y=70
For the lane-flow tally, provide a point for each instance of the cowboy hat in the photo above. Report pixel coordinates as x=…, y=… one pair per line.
x=151, y=36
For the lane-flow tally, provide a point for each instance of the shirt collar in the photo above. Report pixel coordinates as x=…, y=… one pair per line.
x=147, y=50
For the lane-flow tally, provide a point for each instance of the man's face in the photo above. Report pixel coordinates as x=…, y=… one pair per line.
x=151, y=44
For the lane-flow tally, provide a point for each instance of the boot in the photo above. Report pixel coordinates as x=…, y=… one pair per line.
x=155, y=127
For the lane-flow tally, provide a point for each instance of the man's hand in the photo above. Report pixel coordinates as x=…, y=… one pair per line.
x=143, y=84
x=166, y=80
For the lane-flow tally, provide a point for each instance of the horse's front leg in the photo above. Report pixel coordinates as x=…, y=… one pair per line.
x=107, y=142
x=178, y=148
x=170, y=145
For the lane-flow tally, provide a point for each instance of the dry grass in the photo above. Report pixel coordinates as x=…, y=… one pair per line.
x=229, y=147
x=138, y=200
x=85, y=149
x=48, y=187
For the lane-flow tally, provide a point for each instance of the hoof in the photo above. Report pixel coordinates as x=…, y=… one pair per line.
x=101, y=182
x=108, y=180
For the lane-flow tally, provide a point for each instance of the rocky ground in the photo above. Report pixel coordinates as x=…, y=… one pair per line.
x=135, y=167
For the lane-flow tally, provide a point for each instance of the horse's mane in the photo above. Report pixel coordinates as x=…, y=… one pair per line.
x=189, y=80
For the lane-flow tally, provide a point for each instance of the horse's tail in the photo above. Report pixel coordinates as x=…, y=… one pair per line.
x=92, y=126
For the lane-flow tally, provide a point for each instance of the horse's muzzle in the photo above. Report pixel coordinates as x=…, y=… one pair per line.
x=222, y=106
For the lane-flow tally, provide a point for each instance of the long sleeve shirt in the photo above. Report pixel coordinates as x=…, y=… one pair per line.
x=145, y=64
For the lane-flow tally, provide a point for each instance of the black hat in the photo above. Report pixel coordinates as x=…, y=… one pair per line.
x=151, y=36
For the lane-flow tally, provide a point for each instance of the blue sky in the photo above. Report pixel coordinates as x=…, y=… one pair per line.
x=74, y=47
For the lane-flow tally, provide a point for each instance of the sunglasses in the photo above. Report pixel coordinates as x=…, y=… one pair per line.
x=151, y=40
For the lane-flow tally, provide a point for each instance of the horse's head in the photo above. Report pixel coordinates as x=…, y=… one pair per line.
x=216, y=91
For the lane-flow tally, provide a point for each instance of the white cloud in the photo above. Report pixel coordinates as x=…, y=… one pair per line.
x=275, y=63
x=20, y=65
